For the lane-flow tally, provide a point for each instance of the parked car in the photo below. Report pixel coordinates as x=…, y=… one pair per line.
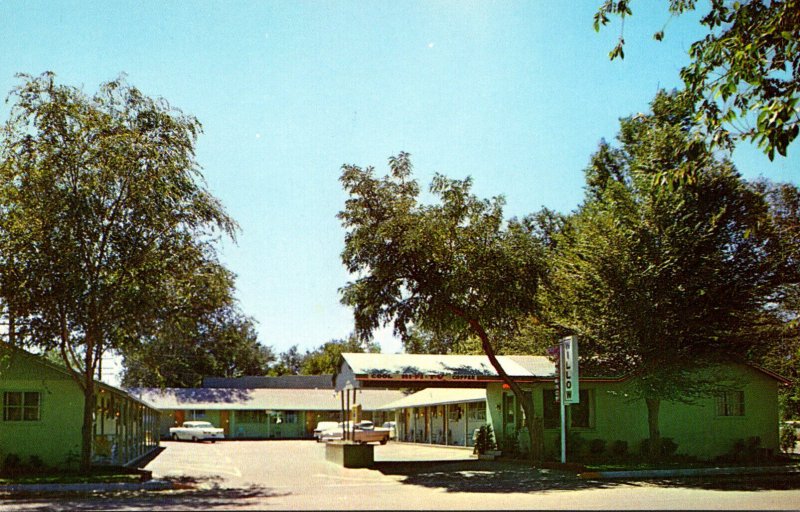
x=362, y=432
x=392, y=426
x=322, y=426
x=196, y=431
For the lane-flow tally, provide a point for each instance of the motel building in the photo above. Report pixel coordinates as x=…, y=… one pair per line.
x=460, y=393
x=287, y=407
x=42, y=416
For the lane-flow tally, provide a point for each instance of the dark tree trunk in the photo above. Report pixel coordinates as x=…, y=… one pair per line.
x=88, y=426
x=12, y=326
x=534, y=424
x=653, y=406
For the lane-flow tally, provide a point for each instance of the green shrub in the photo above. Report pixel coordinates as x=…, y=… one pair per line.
x=745, y=450
x=12, y=461
x=511, y=444
x=484, y=442
x=12, y=464
x=36, y=462
x=619, y=448
x=667, y=447
x=597, y=446
x=788, y=438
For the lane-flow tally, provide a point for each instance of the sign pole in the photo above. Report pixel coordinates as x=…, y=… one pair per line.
x=561, y=401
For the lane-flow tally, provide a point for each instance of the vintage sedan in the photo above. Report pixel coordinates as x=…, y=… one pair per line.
x=196, y=431
x=362, y=432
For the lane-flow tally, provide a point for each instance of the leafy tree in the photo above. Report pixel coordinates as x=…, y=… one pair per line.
x=747, y=67
x=103, y=212
x=290, y=362
x=453, y=266
x=660, y=281
x=326, y=359
x=222, y=343
x=781, y=322
x=421, y=341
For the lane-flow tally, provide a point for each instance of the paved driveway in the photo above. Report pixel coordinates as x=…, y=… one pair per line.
x=295, y=475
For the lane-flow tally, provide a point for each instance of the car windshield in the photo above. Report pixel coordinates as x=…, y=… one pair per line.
x=199, y=424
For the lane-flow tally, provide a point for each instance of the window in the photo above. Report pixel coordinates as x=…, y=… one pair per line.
x=508, y=408
x=730, y=403
x=251, y=417
x=290, y=417
x=580, y=413
x=22, y=406
x=477, y=411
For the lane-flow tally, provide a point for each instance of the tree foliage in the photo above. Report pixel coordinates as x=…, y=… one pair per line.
x=781, y=322
x=662, y=281
x=746, y=69
x=103, y=217
x=220, y=343
x=452, y=266
x=327, y=358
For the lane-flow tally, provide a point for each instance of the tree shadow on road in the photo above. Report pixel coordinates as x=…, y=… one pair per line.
x=188, y=494
x=476, y=476
x=486, y=476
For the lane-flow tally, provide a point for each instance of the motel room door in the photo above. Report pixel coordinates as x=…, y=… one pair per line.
x=225, y=419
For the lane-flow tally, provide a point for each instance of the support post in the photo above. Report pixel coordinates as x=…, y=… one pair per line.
x=562, y=405
x=342, y=415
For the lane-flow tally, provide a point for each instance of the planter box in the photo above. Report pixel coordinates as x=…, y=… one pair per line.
x=350, y=455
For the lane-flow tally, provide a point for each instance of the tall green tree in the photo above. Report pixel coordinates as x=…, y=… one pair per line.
x=289, y=362
x=202, y=333
x=104, y=213
x=455, y=265
x=781, y=322
x=744, y=75
x=659, y=281
x=326, y=358
x=221, y=343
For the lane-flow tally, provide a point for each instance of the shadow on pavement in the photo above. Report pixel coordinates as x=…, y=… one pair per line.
x=519, y=477
x=487, y=476
x=190, y=493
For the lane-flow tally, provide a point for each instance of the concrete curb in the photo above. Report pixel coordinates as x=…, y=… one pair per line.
x=150, y=485
x=669, y=473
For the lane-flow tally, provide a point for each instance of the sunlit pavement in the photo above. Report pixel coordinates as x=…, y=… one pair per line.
x=295, y=475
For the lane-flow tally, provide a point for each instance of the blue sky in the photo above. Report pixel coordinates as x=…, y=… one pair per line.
x=515, y=94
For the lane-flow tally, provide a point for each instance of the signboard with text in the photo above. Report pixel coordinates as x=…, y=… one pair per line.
x=569, y=362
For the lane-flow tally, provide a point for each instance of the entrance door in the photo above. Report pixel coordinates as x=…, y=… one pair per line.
x=180, y=416
x=225, y=419
x=509, y=415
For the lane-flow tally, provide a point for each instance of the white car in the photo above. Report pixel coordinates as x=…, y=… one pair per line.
x=392, y=427
x=322, y=426
x=362, y=432
x=196, y=431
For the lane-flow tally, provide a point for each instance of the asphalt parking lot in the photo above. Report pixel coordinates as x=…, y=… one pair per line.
x=283, y=475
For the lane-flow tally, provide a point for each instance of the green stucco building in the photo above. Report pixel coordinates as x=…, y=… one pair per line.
x=744, y=407
x=43, y=413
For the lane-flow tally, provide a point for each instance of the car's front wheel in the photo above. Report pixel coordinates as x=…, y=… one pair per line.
x=194, y=438
x=174, y=437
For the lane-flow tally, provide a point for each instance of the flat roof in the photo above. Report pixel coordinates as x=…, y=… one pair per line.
x=324, y=381
x=360, y=370
x=259, y=399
